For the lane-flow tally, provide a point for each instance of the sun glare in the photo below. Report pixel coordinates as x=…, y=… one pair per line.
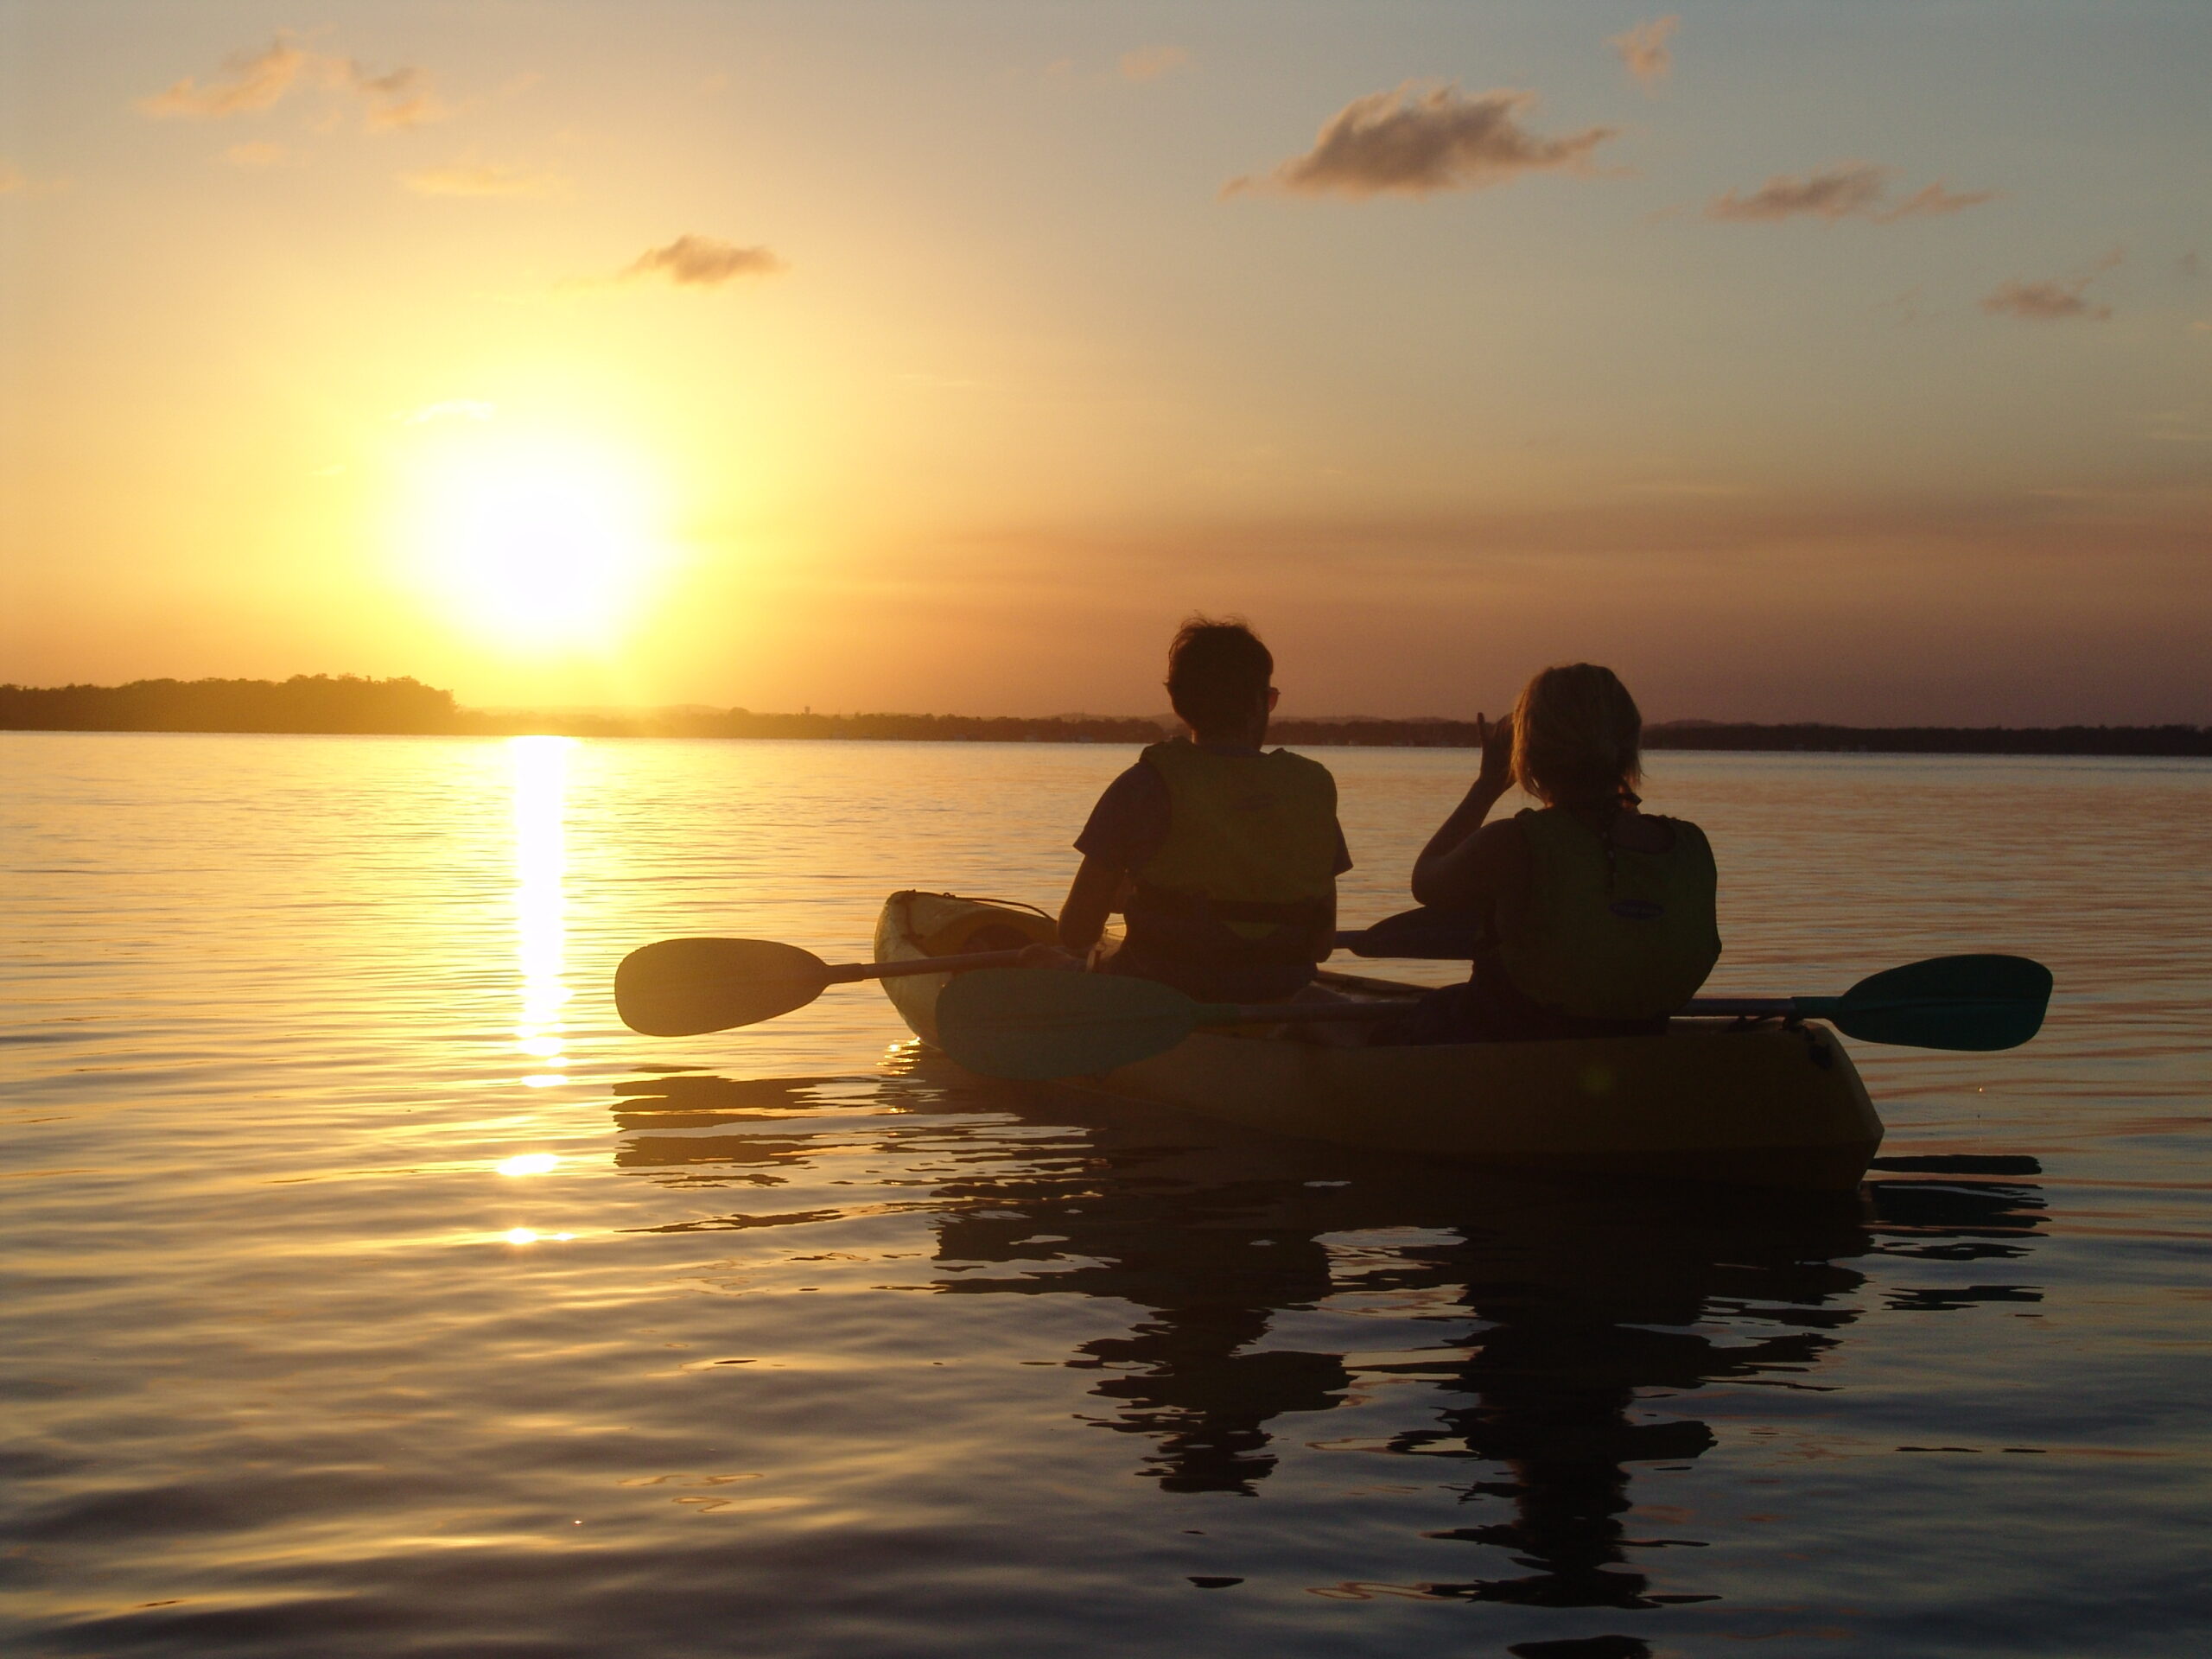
x=536, y=542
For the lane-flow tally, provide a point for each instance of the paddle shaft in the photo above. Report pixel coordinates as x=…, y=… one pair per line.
x=849, y=972
x=1747, y=1008
x=1707, y=1007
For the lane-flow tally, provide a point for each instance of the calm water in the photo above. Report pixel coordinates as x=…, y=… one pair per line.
x=372, y=1292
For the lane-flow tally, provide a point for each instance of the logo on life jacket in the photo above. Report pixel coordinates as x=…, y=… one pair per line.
x=1637, y=910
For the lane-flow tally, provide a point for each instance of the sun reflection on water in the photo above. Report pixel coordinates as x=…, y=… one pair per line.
x=541, y=778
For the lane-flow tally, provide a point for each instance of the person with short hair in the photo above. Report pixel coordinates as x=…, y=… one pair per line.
x=1593, y=919
x=1223, y=855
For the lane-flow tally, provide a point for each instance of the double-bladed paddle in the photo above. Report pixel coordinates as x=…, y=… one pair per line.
x=1038, y=1026
x=679, y=988
x=1421, y=934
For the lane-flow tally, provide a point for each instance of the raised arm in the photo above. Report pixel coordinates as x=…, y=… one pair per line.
x=1466, y=862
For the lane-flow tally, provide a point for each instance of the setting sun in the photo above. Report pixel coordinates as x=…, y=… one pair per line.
x=535, y=542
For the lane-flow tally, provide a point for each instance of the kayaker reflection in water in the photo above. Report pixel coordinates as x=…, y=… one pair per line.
x=1594, y=919
x=1224, y=857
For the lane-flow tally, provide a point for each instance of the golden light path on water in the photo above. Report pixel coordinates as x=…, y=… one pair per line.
x=541, y=787
x=540, y=796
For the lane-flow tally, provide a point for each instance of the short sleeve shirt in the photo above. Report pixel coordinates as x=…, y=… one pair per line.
x=1128, y=826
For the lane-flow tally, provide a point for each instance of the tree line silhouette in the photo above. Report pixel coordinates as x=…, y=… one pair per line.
x=349, y=704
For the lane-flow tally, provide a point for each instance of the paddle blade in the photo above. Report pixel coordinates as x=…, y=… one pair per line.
x=1034, y=1023
x=1966, y=1002
x=1430, y=935
x=678, y=988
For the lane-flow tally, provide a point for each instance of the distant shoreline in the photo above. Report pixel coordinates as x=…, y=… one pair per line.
x=321, y=705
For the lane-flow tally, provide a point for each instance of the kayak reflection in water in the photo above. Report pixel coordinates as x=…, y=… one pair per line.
x=1584, y=1324
x=1519, y=1370
x=1223, y=856
x=1595, y=920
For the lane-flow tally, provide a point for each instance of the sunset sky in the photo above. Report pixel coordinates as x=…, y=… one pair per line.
x=1840, y=362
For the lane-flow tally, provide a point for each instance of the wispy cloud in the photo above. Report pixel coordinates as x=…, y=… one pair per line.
x=260, y=154
x=250, y=80
x=1932, y=199
x=398, y=97
x=482, y=178
x=701, y=261
x=1845, y=190
x=2052, y=301
x=1645, y=49
x=16, y=183
x=1421, y=137
x=255, y=80
x=1151, y=62
x=452, y=409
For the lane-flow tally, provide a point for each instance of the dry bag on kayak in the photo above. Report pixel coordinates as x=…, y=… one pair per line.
x=1607, y=932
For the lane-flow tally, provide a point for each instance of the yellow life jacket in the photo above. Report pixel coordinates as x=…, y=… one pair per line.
x=1605, y=931
x=1250, y=861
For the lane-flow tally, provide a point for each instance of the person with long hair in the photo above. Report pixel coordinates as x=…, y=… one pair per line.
x=1594, y=918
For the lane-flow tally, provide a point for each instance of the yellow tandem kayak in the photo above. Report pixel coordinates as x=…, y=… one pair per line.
x=1713, y=1100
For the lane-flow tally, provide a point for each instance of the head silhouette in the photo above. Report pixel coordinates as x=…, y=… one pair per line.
x=1577, y=736
x=1218, y=675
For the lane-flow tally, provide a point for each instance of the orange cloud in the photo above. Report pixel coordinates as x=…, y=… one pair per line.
x=1846, y=190
x=2051, y=301
x=2043, y=301
x=482, y=178
x=1644, y=50
x=249, y=82
x=1152, y=61
x=1934, y=198
x=13, y=181
x=703, y=261
x=1416, y=139
x=400, y=98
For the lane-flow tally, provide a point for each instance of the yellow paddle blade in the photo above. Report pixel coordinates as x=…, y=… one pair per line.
x=678, y=988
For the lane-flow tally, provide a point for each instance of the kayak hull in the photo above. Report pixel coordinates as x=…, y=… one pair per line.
x=1765, y=1105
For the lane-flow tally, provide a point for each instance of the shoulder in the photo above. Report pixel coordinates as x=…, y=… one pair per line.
x=1530, y=825
x=1141, y=782
x=1304, y=767
x=1681, y=826
x=1129, y=820
x=1506, y=837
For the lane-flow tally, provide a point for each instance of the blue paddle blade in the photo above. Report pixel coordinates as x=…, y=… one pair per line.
x=1035, y=1024
x=1975, y=1002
